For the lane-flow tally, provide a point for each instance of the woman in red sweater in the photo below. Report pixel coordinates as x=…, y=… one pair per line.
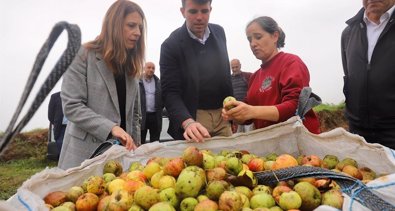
x=274, y=89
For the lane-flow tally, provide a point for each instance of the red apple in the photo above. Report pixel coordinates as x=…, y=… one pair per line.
x=192, y=156
x=256, y=164
x=278, y=190
x=284, y=161
x=55, y=198
x=174, y=167
x=312, y=160
x=87, y=202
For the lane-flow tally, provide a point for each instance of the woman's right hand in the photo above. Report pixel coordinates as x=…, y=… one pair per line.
x=125, y=139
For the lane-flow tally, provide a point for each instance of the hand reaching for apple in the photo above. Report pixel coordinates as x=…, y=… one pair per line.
x=125, y=139
x=194, y=131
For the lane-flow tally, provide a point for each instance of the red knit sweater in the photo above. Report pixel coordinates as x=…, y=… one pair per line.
x=279, y=82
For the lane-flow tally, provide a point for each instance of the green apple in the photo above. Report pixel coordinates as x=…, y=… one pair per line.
x=333, y=198
x=169, y=195
x=188, y=204
x=215, y=188
x=233, y=165
x=162, y=206
x=262, y=200
x=226, y=100
x=330, y=161
x=290, y=200
x=310, y=195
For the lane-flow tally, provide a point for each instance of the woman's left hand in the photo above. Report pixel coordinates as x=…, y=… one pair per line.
x=240, y=112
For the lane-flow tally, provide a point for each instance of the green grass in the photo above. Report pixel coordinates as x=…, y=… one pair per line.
x=329, y=107
x=24, y=157
x=15, y=172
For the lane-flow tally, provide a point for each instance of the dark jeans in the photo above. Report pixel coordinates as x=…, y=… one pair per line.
x=59, y=141
x=152, y=125
x=382, y=136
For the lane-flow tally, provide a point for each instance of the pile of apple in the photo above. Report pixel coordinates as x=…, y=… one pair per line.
x=200, y=180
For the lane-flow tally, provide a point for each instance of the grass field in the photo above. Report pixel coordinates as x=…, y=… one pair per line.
x=25, y=156
x=15, y=172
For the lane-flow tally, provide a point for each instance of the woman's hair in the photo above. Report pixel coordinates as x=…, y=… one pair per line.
x=269, y=25
x=111, y=44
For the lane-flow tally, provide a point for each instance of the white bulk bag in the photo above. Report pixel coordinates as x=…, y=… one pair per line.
x=288, y=137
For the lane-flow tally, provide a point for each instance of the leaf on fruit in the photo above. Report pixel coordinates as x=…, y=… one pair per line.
x=243, y=180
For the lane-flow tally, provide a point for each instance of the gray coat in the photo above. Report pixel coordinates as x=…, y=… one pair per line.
x=90, y=103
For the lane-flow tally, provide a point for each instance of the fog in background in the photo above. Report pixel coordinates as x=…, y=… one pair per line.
x=312, y=28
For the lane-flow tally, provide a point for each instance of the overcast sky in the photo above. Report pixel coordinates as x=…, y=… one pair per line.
x=312, y=29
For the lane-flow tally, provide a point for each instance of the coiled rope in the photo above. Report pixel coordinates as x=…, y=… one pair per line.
x=74, y=43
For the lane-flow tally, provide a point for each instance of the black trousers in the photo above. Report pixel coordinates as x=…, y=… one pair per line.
x=382, y=136
x=151, y=124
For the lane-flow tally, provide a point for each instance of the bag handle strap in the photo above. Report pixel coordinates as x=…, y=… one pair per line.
x=73, y=45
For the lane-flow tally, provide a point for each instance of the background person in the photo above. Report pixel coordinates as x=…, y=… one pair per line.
x=151, y=104
x=368, y=49
x=57, y=119
x=274, y=89
x=240, y=81
x=100, y=92
x=195, y=75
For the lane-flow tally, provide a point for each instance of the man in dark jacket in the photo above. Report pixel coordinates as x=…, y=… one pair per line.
x=195, y=75
x=57, y=119
x=368, y=49
x=151, y=104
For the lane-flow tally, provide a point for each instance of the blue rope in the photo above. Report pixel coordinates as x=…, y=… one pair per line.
x=381, y=186
x=24, y=203
x=356, y=193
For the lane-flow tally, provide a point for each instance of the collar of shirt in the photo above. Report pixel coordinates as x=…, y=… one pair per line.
x=235, y=74
x=383, y=17
x=205, y=35
x=148, y=79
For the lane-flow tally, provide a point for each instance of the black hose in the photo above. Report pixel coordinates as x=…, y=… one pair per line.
x=73, y=45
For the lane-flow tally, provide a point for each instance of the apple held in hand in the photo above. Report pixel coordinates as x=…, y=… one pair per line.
x=226, y=100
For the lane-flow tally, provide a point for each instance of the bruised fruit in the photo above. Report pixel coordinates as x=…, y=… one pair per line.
x=87, y=202
x=215, y=174
x=230, y=200
x=55, y=198
x=206, y=205
x=192, y=156
x=74, y=192
x=146, y=197
x=95, y=185
x=113, y=166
